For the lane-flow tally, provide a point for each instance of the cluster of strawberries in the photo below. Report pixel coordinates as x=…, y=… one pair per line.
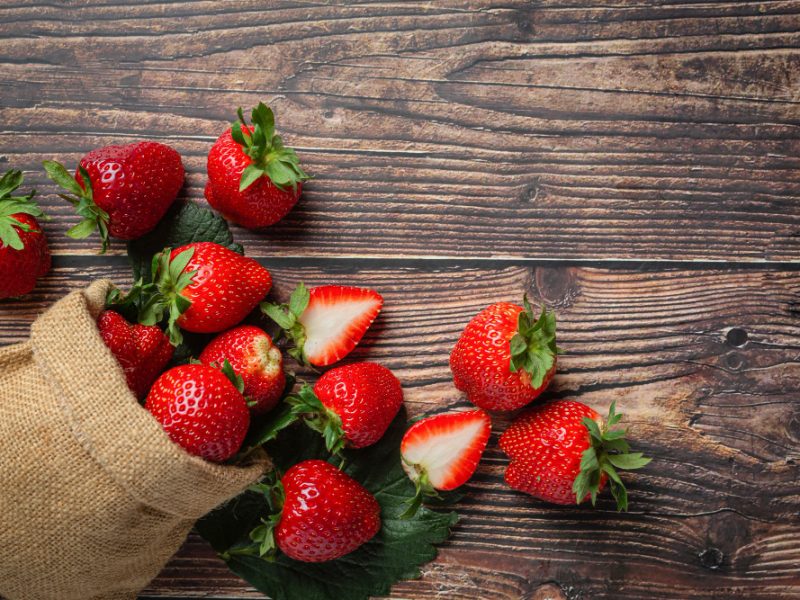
x=561, y=452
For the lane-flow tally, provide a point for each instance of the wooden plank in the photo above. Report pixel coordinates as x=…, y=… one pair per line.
x=498, y=129
x=704, y=364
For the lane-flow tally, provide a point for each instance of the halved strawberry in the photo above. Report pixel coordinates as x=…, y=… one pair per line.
x=442, y=452
x=327, y=322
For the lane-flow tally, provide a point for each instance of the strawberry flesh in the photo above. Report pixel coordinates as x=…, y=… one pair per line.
x=446, y=448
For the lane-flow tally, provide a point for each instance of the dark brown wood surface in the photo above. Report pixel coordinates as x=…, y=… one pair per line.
x=634, y=165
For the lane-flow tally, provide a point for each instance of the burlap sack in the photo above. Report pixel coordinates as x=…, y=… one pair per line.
x=94, y=497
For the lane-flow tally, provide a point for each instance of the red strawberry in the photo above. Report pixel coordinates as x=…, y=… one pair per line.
x=253, y=180
x=204, y=287
x=351, y=405
x=563, y=452
x=201, y=410
x=327, y=322
x=24, y=255
x=442, y=452
x=326, y=514
x=505, y=357
x=121, y=190
x=251, y=354
x=142, y=351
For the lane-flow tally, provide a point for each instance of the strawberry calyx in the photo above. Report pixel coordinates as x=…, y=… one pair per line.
x=81, y=197
x=318, y=417
x=262, y=536
x=163, y=295
x=423, y=489
x=608, y=452
x=15, y=205
x=269, y=156
x=533, y=347
x=287, y=316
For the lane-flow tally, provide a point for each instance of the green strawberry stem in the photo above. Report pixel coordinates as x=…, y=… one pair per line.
x=14, y=205
x=533, y=347
x=269, y=156
x=423, y=489
x=287, y=316
x=319, y=418
x=608, y=452
x=81, y=197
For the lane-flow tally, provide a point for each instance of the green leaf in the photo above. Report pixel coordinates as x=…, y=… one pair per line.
x=9, y=236
x=279, y=314
x=396, y=553
x=533, y=347
x=298, y=301
x=62, y=177
x=10, y=181
x=183, y=224
x=250, y=174
x=83, y=229
x=633, y=460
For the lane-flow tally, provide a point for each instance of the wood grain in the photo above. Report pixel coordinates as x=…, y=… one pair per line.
x=515, y=129
x=705, y=365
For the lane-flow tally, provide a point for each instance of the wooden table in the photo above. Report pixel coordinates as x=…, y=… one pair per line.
x=634, y=165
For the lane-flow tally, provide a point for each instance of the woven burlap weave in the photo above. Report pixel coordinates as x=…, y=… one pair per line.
x=94, y=497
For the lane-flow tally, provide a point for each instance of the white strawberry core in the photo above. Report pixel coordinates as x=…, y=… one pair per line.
x=438, y=453
x=324, y=323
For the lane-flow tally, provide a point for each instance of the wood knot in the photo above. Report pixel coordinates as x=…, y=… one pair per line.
x=532, y=192
x=711, y=558
x=557, y=287
x=736, y=337
x=548, y=591
x=734, y=361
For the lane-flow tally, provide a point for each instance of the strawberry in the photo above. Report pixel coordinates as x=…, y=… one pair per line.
x=201, y=410
x=24, y=255
x=203, y=287
x=122, y=191
x=351, y=405
x=142, y=351
x=324, y=514
x=325, y=323
x=563, y=452
x=505, y=357
x=253, y=180
x=251, y=353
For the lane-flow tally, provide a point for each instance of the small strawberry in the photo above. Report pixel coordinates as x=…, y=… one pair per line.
x=122, y=191
x=203, y=288
x=351, y=405
x=142, y=351
x=24, y=255
x=253, y=179
x=442, y=452
x=324, y=514
x=325, y=323
x=563, y=452
x=251, y=353
x=201, y=410
x=505, y=357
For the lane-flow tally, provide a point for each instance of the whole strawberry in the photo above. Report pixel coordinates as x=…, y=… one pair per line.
x=122, y=191
x=326, y=514
x=203, y=287
x=505, y=357
x=562, y=452
x=253, y=179
x=351, y=405
x=142, y=351
x=201, y=410
x=24, y=255
x=254, y=357
x=325, y=323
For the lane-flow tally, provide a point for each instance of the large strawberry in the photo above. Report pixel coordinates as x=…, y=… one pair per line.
x=442, y=452
x=122, y=191
x=324, y=514
x=24, y=255
x=351, y=405
x=563, y=452
x=142, y=351
x=203, y=287
x=253, y=179
x=505, y=357
x=325, y=323
x=201, y=410
x=253, y=356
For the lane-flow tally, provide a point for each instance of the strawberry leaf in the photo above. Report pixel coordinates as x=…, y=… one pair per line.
x=396, y=553
x=10, y=206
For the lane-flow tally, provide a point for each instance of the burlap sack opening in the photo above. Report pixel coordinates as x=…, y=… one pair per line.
x=94, y=497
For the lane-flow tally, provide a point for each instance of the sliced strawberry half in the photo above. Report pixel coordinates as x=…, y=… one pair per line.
x=442, y=452
x=326, y=322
